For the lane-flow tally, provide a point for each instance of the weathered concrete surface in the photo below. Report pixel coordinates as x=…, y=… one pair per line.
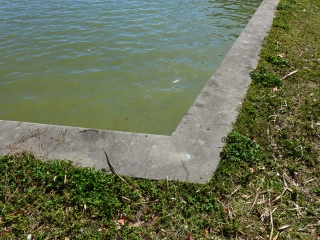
x=199, y=133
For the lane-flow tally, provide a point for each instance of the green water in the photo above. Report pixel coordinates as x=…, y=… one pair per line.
x=118, y=65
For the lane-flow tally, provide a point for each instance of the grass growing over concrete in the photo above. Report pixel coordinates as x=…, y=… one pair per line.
x=266, y=186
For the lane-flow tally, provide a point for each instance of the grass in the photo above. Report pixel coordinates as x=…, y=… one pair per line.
x=266, y=185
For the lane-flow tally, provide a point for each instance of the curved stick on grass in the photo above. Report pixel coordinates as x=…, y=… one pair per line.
x=289, y=74
x=112, y=169
x=271, y=220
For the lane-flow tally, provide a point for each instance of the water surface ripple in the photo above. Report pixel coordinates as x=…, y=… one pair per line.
x=119, y=65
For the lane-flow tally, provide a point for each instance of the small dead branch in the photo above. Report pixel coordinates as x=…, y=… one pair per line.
x=284, y=181
x=289, y=74
x=256, y=197
x=274, y=157
x=128, y=199
x=284, y=227
x=112, y=169
x=279, y=197
x=227, y=209
x=296, y=209
x=307, y=228
x=285, y=104
x=157, y=200
x=290, y=180
x=311, y=180
x=255, y=200
x=234, y=191
x=271, y=220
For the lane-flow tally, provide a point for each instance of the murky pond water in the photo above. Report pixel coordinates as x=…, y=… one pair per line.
x=118, y=65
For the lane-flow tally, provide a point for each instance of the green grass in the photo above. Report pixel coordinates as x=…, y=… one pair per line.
x=266, y=185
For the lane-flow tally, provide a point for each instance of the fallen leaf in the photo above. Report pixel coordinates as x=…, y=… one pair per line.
x=189, y=237
x=121, y=221
x=155, y=219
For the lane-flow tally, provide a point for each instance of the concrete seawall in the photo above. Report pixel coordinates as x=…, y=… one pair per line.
x=191, y=153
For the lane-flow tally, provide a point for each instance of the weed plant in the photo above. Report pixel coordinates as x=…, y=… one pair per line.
x=265, y=78
x=265, y=187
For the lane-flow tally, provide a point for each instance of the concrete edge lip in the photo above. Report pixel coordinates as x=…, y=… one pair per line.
x=190, y=154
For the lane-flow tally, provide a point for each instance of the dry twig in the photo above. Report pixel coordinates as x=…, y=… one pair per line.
x=115, y=172
x=311, y=180
x=289, y=74
x=234, y=191
x=157, y=200
x=279, y=197
x=256, y=198
x=271, y=220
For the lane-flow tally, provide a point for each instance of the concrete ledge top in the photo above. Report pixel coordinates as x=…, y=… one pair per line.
x=190, y=154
